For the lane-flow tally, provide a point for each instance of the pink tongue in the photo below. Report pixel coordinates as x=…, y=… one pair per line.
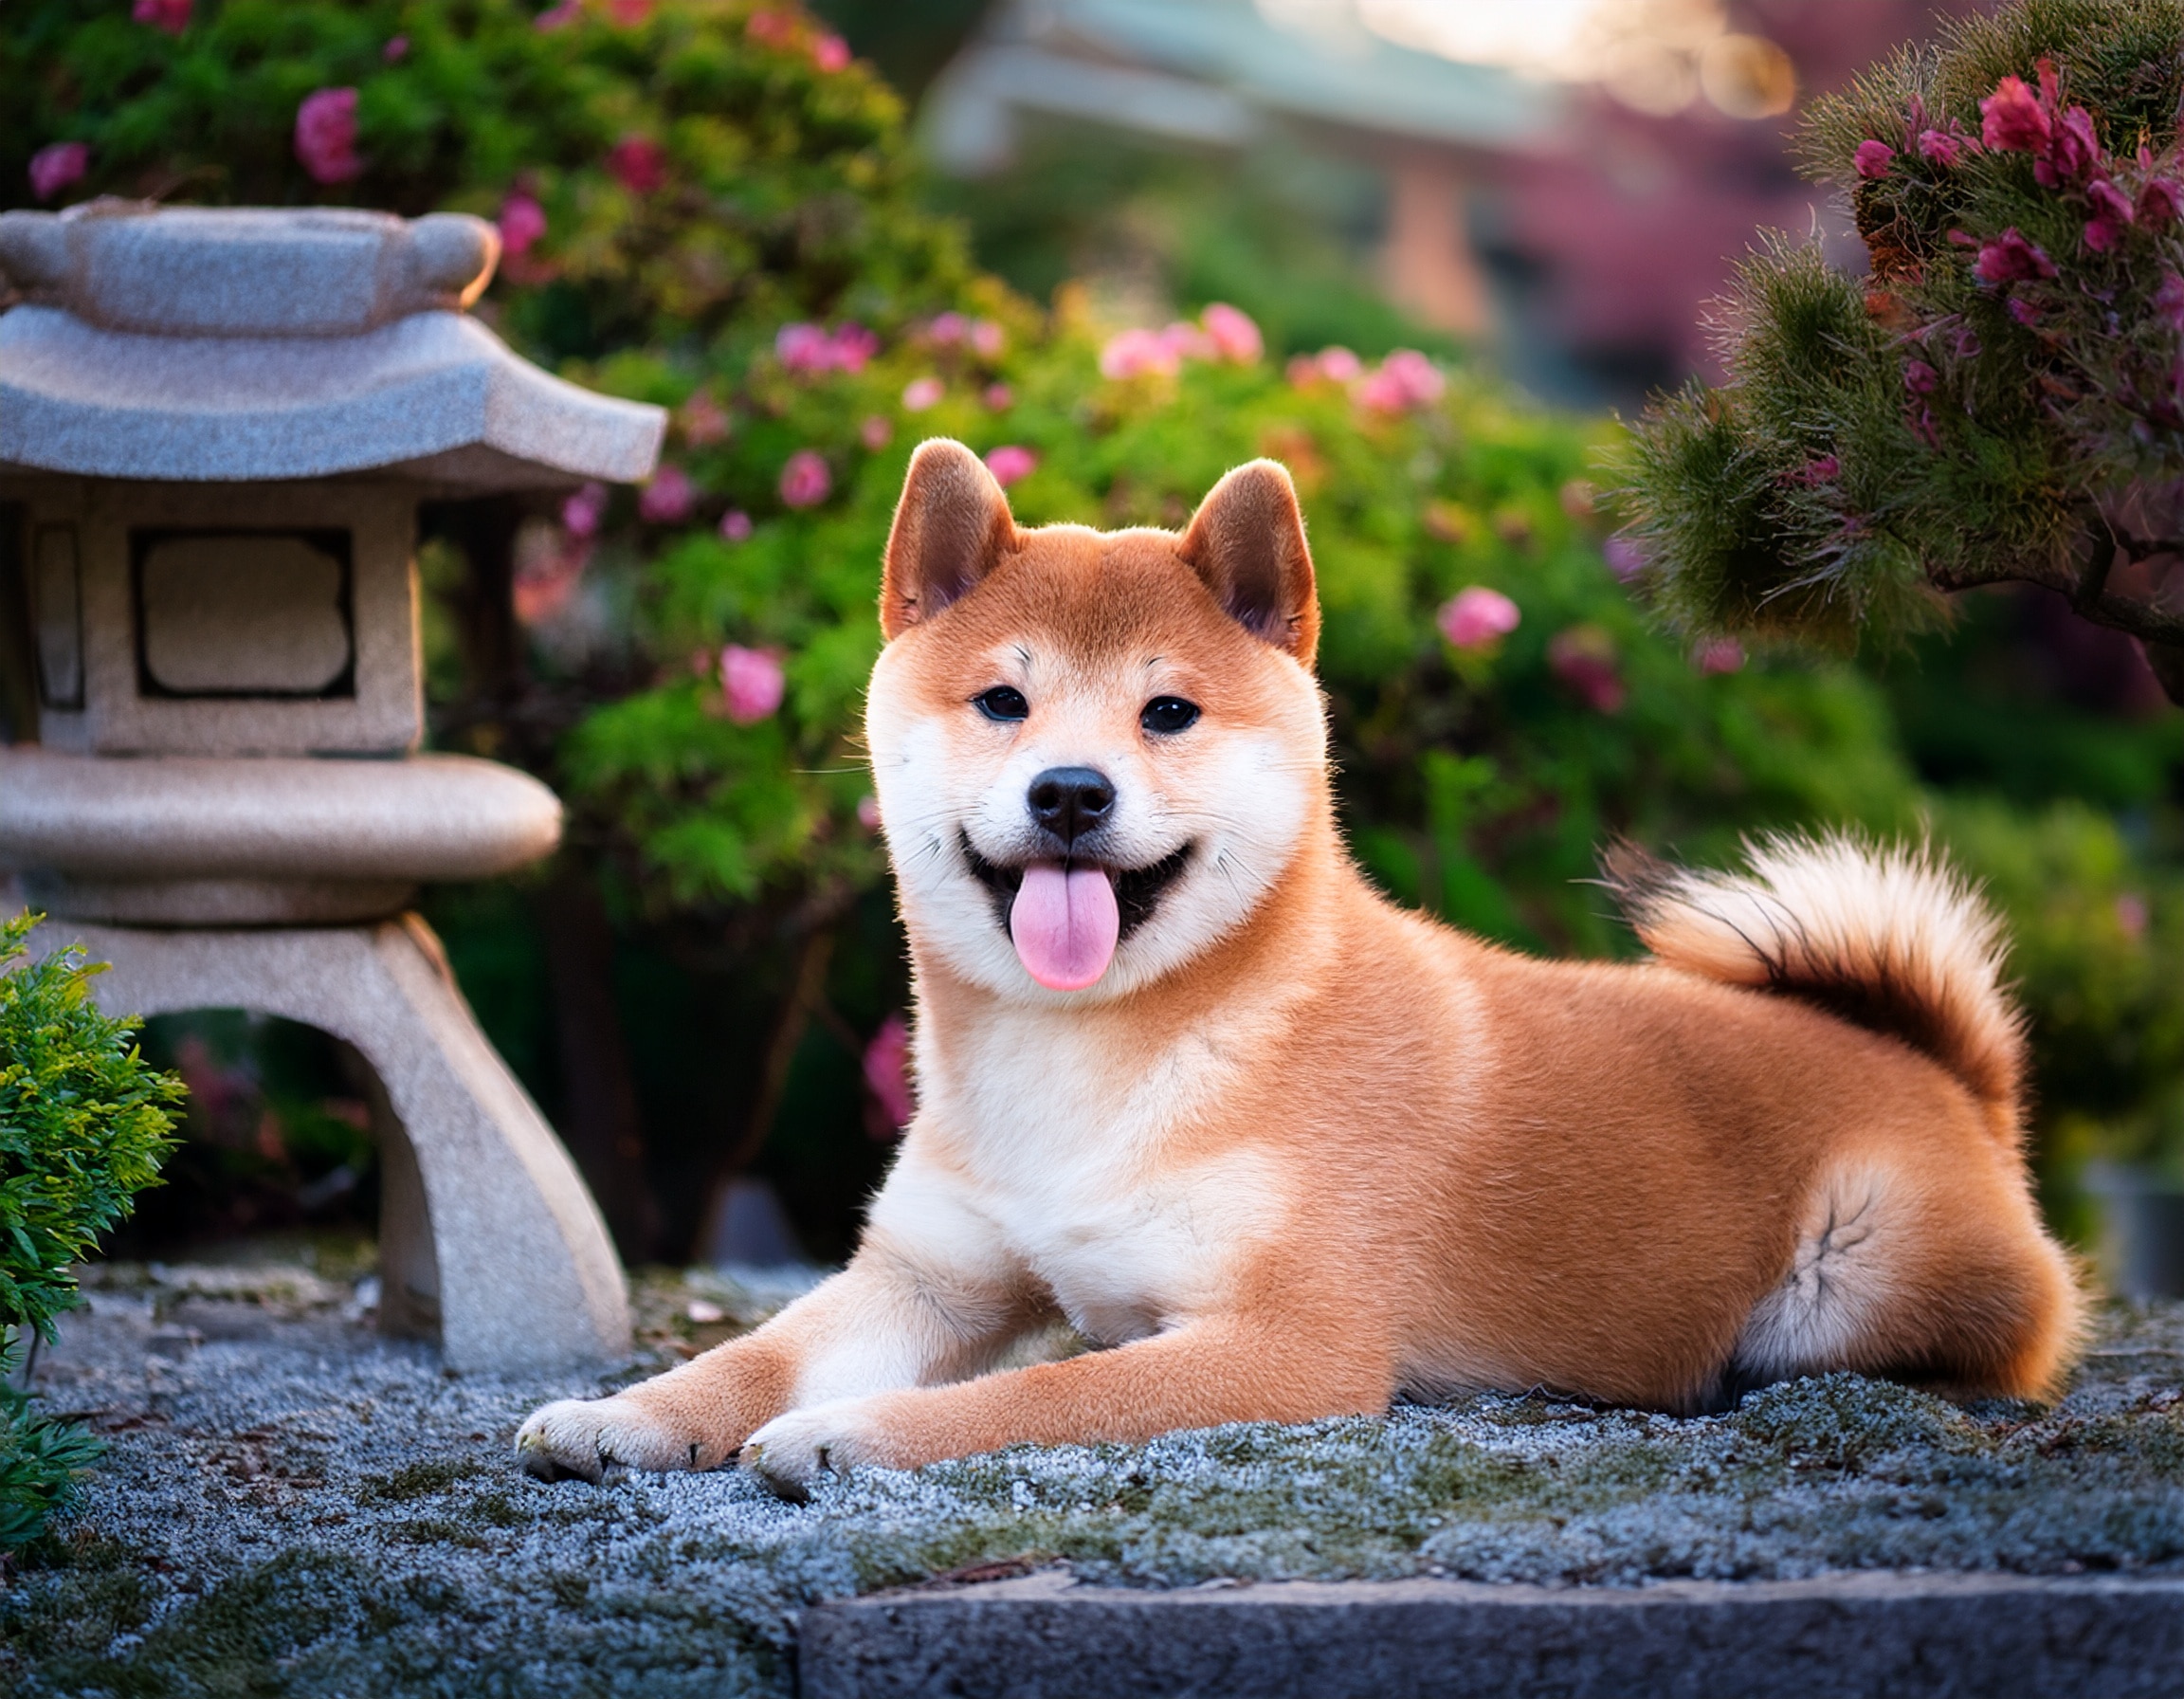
x=1065, y=925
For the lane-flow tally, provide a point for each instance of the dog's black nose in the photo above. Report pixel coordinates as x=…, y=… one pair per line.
x=1070, y=801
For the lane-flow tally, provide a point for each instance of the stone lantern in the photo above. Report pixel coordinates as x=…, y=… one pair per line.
x=215, y=428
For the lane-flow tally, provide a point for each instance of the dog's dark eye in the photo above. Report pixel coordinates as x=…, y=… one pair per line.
x=1003, y=702
x=1167, y=714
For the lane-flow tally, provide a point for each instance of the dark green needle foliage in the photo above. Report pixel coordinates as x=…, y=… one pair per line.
x=2001, y=398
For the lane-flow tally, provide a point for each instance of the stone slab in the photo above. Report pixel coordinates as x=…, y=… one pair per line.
x=1848, y=1637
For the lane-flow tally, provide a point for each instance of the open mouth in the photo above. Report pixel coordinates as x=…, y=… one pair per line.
x=1137, y=890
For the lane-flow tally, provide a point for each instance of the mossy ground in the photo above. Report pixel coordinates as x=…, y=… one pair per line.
x=300, y=1508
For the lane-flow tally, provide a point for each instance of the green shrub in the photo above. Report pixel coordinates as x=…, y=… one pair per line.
x=82, y=1126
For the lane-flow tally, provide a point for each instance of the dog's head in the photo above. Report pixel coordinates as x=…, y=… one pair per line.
x=1096, y=752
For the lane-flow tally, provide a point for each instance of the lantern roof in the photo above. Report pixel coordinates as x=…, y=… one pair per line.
x=249, y=344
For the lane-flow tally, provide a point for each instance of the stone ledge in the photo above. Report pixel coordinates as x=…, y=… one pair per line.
x=1849, y=1636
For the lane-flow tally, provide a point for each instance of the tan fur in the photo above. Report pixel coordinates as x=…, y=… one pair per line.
x=1299, y=1151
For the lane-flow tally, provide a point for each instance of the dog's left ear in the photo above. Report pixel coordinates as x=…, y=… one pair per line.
x=1247, y=540
x=952, y=527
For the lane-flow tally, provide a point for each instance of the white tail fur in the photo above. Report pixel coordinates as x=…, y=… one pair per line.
x=1883, y=935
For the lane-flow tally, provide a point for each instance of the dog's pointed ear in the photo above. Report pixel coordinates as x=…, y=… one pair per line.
x=1247, y=540
x=952, y=527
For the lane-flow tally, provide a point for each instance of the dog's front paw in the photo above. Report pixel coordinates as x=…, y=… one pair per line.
x=600, y=1439
x=792, y=1451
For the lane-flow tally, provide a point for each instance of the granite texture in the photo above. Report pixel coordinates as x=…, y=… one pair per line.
x=269, y=343
x=1850, y=1637
x=97, y=837
x=294, y=1506
x=526, y=1275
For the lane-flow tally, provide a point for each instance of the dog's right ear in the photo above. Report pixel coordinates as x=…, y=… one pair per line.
x=952, y=528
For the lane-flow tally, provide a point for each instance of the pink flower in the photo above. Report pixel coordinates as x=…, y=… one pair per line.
x=999, y=397
x=887, y=1075
x=1947, y=147
x=1137, y=354
x=2014, y=120
x=1873, y=159
x=868, y=811
x=2111, y=212
x=2132, y=914
x=1721, y=654
x=750, y=683
x=922, y=393
x=639, y=163
x=2023, y=312
x=554, y=17
x=987, y=340
x=2160, y=202
x=2074, y=151
x=522, y=222
x=1583, y=657
x=56, y=165
x=804, y=348
x=1406, y=379
x=582, y=512
x=171, y=15
x=326, y=136
x=2010, y=259
x=853, y=346
x=396, y=49
x=1233, y=334
x=627, y=14
x=1338, y=365
x=1303, y=371
x=703, y=420
x=1825, y=467
x=1476, y=617
x=735, y=527
x=948, y=330
x=2169, y=299
x=771, y=28
x=667, y=500
x=1010, y=462
x=1920, y=379
x=876, y=432
x=831, y=53
x=1625, y=558
x=805, y=481
x=1188, y=342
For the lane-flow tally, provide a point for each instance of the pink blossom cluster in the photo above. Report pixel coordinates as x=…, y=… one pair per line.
x=921, y=394
x=668, y=499
x=171, y=15
x=1402, y=383
x=522, y=222
x=805, y=480
x=982, y=337
x=56, y=166
x=752, y=683
x=1009, y=462
x=814, y=348
x=1476, y=617
x=326, y=136
x=2066, y=153
x=1334, y=364
x=638, y=164
x=888, y=1078
x=1583, y=658
x=582, y=513
x=1222, y=332
x=702, y=420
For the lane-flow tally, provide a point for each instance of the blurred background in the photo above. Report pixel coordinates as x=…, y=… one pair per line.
x=1444, y=244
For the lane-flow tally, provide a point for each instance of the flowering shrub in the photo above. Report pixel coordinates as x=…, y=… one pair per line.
x=2002, y=399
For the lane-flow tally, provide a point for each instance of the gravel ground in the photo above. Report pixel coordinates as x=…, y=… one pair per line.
x=291, y=1505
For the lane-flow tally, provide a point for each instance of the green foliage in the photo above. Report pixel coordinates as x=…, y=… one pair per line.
x=82, y=1126
x=1999, y=399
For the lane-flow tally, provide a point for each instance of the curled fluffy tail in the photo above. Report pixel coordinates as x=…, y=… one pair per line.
x=1884, y=936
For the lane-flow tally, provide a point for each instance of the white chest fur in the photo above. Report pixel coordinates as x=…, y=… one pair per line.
x=1042, y=1151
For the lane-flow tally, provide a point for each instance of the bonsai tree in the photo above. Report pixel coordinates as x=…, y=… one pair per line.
x=84, y=1124
x=2001, y=398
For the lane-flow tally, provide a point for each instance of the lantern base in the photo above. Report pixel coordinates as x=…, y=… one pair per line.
x=483, y=1203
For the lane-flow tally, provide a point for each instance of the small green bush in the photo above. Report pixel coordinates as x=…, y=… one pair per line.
x=84, y=1124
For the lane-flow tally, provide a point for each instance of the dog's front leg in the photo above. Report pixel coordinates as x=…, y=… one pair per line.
x=885, y=1321
x=1215, y=1370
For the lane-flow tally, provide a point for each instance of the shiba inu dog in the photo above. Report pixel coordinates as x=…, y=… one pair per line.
x=1289, y=1151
